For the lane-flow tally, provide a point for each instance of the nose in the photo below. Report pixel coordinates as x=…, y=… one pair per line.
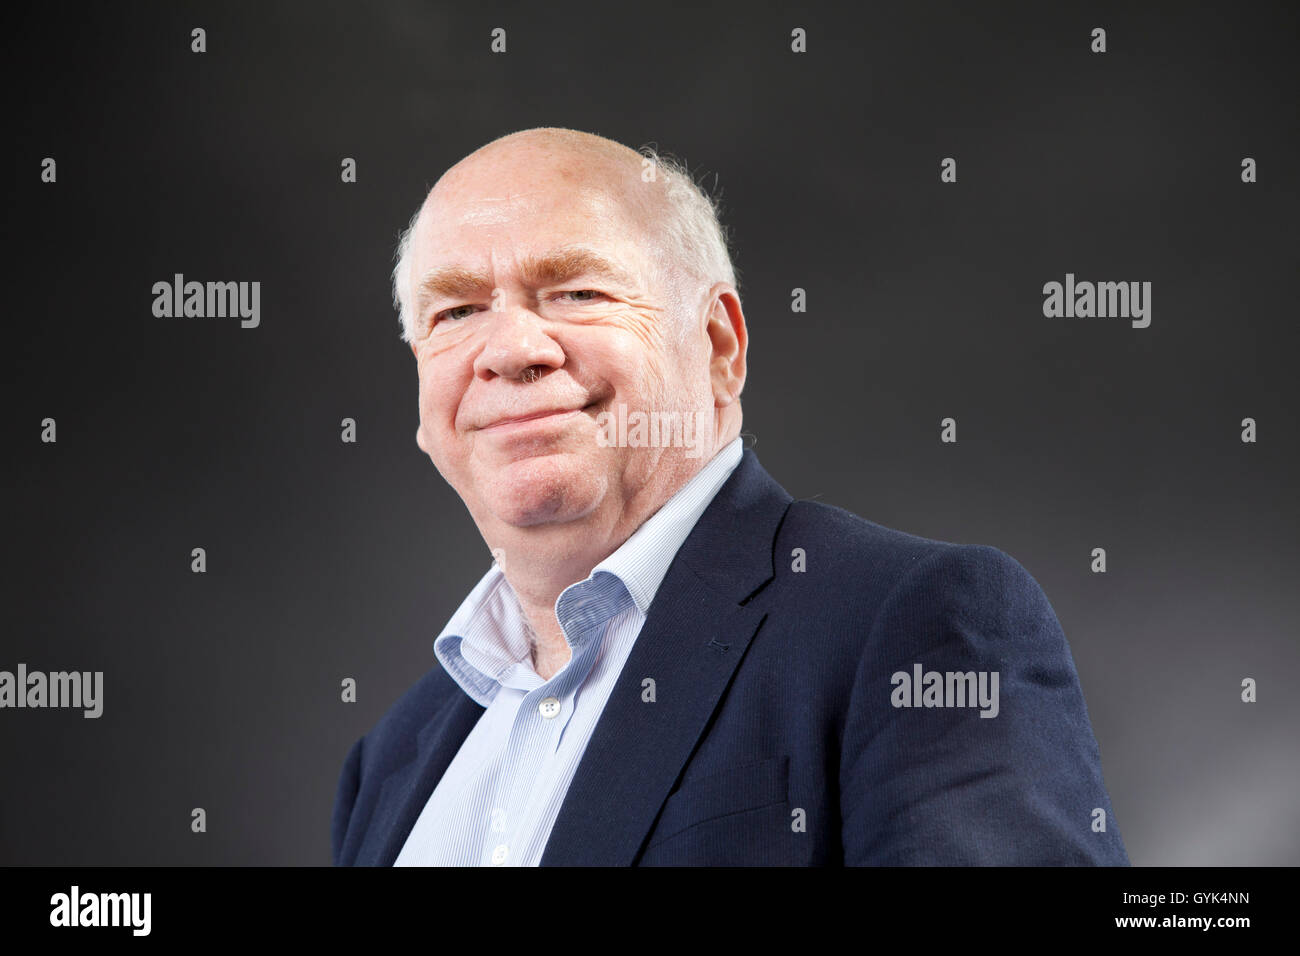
x=517, y=346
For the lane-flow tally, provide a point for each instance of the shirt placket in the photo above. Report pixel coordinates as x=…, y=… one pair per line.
x=535, y=735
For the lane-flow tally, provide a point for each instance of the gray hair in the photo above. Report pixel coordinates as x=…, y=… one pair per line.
x=693, y=235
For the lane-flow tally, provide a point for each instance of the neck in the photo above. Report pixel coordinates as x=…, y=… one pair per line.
x=540, y=561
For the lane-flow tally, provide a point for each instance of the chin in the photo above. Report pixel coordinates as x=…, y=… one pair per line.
x=545, y=489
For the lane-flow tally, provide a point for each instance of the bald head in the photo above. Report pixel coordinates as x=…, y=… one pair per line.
x=552, y=283
x=589, y=154
x=653, y=199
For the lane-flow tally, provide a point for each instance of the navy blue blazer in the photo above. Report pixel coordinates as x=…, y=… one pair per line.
x=777, y=734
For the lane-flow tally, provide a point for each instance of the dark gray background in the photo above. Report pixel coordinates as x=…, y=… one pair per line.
x=329, y=560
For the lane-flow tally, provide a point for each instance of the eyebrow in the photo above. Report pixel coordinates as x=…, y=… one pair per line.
x=552, y=268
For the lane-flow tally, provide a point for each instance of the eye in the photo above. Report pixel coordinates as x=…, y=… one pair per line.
x=586, y=295
x=452, y=314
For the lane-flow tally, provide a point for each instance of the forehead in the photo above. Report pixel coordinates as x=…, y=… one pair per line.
x=482, y=220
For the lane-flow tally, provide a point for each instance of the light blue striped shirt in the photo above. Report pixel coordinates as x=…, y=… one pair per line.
x=498, y=800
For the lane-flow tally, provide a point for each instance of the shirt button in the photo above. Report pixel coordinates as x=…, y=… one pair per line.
x=499, y=855
x=549, y=707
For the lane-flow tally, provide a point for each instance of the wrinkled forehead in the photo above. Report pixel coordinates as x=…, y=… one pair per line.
x=528, y=207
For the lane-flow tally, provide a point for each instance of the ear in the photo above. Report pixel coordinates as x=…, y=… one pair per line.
x=728, y=341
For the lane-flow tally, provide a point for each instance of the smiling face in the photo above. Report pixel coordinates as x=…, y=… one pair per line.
x=542, y=300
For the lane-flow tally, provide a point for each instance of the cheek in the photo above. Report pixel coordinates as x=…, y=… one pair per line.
x=439, y=397
x=636, y=359
x=669, y=375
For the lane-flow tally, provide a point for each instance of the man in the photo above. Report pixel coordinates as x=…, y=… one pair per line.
x=672, y=661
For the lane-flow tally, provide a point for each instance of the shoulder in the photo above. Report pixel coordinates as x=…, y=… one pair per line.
x=892, y=581
x=846, y=545
x=844, y=540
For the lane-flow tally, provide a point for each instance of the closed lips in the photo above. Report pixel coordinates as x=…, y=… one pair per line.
x=527, y=418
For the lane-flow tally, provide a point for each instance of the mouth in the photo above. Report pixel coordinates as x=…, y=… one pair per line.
x=555, y=415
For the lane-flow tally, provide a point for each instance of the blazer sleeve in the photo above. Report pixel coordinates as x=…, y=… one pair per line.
x=943, y=785
x=345, y=798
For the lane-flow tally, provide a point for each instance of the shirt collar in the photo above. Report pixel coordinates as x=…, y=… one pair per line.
x=643, y=559
x=485, y=638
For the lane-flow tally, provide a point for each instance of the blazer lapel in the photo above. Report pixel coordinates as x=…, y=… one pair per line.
x=408, y=788
x=697, y=630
